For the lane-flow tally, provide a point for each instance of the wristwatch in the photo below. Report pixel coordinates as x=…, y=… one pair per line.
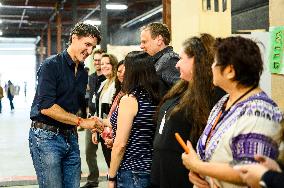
x=109, y=178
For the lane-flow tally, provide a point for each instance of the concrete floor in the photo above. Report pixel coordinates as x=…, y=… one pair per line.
x=15, y=162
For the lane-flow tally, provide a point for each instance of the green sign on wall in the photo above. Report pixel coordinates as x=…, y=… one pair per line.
x=276, y=50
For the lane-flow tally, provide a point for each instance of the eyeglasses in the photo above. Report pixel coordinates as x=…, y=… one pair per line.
x=97, y=60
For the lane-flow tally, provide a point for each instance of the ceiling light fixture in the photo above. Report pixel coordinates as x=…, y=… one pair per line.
x=93, y=22
x=1, y=33
x=112, y=6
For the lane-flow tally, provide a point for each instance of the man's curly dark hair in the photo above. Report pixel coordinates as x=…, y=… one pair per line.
x=84, y=30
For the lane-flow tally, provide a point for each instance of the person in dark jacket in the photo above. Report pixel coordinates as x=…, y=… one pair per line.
x=11, y=94
x=155, y=39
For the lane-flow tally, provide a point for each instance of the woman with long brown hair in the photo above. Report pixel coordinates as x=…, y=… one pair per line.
x=184, y=109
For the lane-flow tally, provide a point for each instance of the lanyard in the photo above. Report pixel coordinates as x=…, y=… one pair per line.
x=220, y=117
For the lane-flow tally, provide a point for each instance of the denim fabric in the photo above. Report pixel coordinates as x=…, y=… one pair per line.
x=133, y=179
x=91, y=158
x=56, y=159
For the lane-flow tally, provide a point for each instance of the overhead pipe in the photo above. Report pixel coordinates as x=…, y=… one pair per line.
x=143, y=17
x=23, y=14
x=25, y=7
x=80, y=7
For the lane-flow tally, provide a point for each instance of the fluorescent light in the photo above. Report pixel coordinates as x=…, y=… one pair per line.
x=93, y=22
x=1, y=21
x=0, y=4
x=116, y=6
x=1, y=33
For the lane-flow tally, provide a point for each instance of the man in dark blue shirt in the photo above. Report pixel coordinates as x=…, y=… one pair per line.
x=61, y=86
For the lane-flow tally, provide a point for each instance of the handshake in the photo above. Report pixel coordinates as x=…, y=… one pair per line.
x=102, y=128
x=93, y=123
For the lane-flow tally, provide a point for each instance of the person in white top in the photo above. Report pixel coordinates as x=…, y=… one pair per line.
x=105, y=96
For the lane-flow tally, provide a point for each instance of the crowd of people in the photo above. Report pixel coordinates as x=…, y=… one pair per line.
x=208, y=93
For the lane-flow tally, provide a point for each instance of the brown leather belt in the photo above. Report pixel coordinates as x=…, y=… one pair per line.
x=65, y=132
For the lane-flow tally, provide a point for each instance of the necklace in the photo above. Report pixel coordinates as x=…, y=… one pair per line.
x=220, y=117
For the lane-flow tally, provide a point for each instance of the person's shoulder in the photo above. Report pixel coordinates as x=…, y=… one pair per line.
x=129, y=98
x=49, y=63
x=263, y=106
x=169, y=56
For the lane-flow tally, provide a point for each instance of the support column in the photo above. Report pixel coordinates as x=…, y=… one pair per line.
x=192, y=17
x=276, y=19
x=167, y=13
x=41, y=47
x=48, y=40
x=104, y=25
x=59, y=31
x=74, y=12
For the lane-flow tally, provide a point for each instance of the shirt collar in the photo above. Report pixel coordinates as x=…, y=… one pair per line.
x=69, y=60
x=162, y=52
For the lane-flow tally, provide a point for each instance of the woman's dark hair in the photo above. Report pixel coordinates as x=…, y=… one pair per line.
x=244, y=55
x=196, y=96
x=140, y=73
x=117, y=82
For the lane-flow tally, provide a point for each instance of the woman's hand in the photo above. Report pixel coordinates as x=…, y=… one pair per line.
x=197, y=180
x=191, y=160
x=109, y=142
x=251, y=173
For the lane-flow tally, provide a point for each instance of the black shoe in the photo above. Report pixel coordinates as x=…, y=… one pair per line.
x=90, y=185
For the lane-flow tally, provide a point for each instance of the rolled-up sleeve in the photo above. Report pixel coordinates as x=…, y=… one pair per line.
x=47, y=85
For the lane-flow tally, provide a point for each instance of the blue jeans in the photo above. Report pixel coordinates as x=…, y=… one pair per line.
x=56, y=158
x=133, y=179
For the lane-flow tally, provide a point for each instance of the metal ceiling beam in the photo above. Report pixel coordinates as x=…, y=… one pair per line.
x=143, y=17
x=13, y=16
x=22, y=21
x=25, y=7
x=67, y=8
x=23, y=14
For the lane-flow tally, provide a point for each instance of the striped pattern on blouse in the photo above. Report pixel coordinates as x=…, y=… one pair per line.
x=139, y=149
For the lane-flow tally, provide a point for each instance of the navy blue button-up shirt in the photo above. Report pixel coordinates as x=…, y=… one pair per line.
x=58, y=84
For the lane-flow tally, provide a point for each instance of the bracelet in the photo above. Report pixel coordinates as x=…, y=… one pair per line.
x=111, y=178
x=79, y=121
